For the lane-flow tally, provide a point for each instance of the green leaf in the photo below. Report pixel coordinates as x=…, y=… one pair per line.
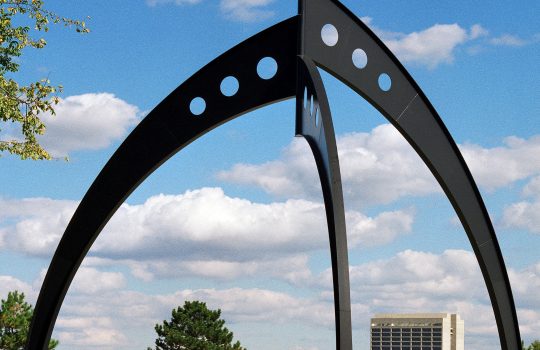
x=23, y=105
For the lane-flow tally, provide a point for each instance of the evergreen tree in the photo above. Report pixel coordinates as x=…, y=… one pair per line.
x=15, y=317
x=535, y=345
x=195, y=327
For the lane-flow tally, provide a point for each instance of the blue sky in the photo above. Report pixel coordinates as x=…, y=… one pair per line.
x=227, y=219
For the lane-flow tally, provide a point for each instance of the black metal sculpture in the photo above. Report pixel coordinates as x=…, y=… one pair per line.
x=297, y=47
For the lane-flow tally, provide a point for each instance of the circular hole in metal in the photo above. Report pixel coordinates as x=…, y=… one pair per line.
x=329, y=35
x=385, y=82
x=312, y=106
x=197, y=106
x=267, y=68
x=359, y=58
x=229, y=86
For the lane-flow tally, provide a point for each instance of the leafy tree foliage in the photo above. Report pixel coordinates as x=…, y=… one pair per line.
x=195, y=327
x=15, y=317
x=535, y=345
x=22, y=104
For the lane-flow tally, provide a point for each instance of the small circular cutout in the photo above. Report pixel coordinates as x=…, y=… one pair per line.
x=329, y=35
x=385, y=82
x=359, y=58
x=197, y=106
x=267, y=68
x=229, y=86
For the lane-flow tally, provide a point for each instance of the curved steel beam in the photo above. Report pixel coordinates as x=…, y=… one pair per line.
x=171, y=126
x=314, y=123
x=167, y=129
x=409, y=110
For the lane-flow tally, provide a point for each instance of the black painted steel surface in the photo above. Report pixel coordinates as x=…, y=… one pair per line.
x=409, y=110
x=297, y=46
x=167, y=129
x=314, y=123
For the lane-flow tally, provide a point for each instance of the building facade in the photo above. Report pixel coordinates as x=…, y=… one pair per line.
x=433, y=331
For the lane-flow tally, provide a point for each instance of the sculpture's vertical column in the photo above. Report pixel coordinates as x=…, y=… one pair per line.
x=405, y=106
x=314, y=123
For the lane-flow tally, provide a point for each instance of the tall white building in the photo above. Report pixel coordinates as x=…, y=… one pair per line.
x=434, y=331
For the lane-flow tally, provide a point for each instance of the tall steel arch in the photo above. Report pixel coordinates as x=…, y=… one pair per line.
x=297, y=47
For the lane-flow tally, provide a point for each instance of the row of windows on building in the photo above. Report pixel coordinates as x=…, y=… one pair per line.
x=407, y=347
x=408, y=341
x=388, y=331
x=406, y=338
x=424, y=338
x=422, y=331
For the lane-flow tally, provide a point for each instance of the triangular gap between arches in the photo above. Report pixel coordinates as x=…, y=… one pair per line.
x=190, y=231
x=408, y=252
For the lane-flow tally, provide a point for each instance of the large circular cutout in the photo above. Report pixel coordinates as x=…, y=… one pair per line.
x=229, y=86
x=359, y=58
x=197, y=106
x=385, y=82
x=267, y=68
x=329, y=35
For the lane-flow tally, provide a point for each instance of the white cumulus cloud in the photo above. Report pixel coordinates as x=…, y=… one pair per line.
x=532, y=188
x=525, y=214
x=90, y=280
x=450, y=281
x=217, y=236
x=207, y=224
x=87, y=122
x=293, y=269
x=234, y=10
x=508, y=40
x=246, y=10
x=408, y=281
x=429, y=47
x=496, y=167
x=477, y=31
x=124, y=319
x=369, y=164
x=90, y=333
x=439, y=43
x=10, y=283
x=371, y=161
x=34, y=225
